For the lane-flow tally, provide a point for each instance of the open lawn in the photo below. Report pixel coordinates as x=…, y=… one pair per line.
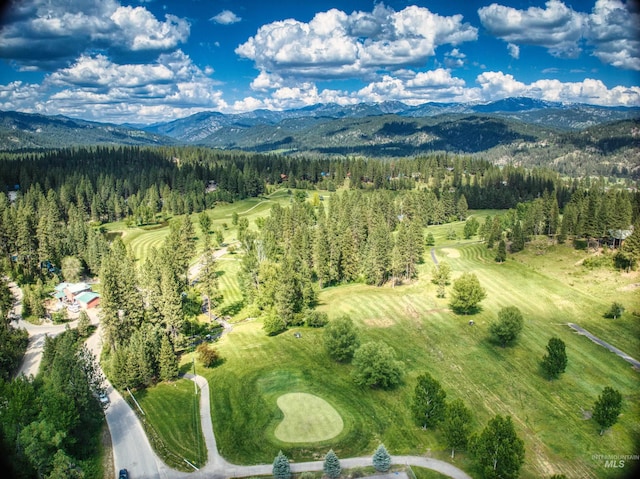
x=142, y=239
x=173, y=411
x=427, y=336
x=551, y=289
x=307, y=418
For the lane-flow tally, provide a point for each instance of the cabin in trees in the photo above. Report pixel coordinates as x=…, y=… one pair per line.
x=76, y=295
x=616, y=237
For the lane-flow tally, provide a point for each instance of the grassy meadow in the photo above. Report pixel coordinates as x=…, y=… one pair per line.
x=551, y=289
x=172, y=421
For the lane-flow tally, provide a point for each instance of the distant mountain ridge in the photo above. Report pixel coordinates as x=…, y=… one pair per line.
x=518, y=130
x=567, y=116
x=34, y=131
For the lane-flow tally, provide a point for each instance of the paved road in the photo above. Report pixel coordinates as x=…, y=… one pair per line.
x=37, y=333
x=131, y=447
x=597, y=340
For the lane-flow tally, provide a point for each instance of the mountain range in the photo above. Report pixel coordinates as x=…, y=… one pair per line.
x=522, y=130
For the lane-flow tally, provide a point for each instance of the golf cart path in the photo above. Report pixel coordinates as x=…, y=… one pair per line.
x=613, y=349
x=433, y=256
x=217, y=467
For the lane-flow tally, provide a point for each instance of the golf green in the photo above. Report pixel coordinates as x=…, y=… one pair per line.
x=307, y=418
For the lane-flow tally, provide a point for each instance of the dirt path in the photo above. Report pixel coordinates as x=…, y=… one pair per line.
x=613, y=349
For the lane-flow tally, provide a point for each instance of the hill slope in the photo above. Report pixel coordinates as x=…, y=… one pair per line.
x=32, y=131
x=574, y=139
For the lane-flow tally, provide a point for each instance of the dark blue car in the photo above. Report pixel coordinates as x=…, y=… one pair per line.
x=124, y=474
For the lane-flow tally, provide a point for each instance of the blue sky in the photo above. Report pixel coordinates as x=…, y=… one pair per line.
x=147, y=61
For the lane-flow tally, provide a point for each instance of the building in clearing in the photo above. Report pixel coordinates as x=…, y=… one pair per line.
x=617, y=237
x=70, y=294
x=88, y=299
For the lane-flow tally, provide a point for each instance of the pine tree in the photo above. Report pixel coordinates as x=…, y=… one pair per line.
x=501, y=253
x=83, y=324
x=168, y=361
x=348, y=268
x=321, y=253
x=631, y=246
x=378, y=255
x=554, y=362
x=281, y=467
x=331, y=465
x=171, y=303
x=381, y=459
x=517, y=238
x=462, y=208
x=607, y=408
x=209, y=280
x=440, y=275
x=429, y=239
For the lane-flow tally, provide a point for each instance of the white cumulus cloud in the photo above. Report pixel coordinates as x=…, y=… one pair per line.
x=498, y=85
x=514, y=50
x=96, y=88
x=611, y=30
x=335, y=44
x=555, y=27
x=226, y=17
x=614, y=31
x=48, y=35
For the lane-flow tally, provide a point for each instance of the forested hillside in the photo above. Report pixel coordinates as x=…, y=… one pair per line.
x=573, y=139
x=24, y=131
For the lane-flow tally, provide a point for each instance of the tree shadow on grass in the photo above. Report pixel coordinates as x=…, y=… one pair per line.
x=233, y=308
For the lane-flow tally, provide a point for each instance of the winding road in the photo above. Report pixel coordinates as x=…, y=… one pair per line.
x=131, y=447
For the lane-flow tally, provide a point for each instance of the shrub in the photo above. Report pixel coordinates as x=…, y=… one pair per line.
x=375, y=365
x=508, y=327
x=615, y=311
x=207, y=355
x=601, y=261
x=273, y=324
x=341, y=339
x=316, y=319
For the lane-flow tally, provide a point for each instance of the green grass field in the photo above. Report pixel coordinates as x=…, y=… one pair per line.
x=173, y=411
x=142, y=239
x=307, y=419
x=551, y=290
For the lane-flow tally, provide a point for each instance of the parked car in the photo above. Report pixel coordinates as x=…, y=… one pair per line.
x=104, y=400
x=124, y=474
